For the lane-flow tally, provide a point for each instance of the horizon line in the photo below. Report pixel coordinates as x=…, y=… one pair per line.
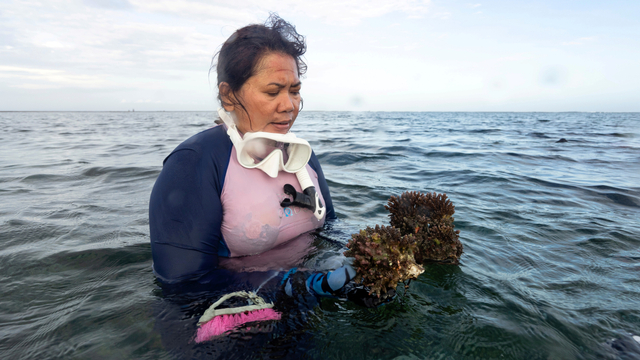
x=358, y=111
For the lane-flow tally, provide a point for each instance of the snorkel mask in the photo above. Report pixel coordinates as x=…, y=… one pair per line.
x=269, y=152
x=272, y=153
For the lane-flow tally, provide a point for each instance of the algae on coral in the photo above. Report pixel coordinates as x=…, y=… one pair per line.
x=383, y=257
x=429, y=217
x=421, y=231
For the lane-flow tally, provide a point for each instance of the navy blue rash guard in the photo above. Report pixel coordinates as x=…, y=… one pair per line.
x=185, y=211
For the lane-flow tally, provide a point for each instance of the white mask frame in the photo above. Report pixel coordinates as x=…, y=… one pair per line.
x=299, y=153
x=298, y=150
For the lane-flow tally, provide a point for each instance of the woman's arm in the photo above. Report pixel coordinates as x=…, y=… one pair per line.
x=185, y=212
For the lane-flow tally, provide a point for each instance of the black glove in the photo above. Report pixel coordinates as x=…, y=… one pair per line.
x=359, y=294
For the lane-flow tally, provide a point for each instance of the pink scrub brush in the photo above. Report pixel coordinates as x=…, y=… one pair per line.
x=216, y=322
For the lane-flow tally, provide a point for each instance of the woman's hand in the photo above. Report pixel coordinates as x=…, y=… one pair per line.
x=338, y=284
x=359, y=294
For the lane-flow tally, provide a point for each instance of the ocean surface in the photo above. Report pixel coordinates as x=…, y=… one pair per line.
x=551, y=234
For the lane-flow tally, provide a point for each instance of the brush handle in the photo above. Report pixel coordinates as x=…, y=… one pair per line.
x=212, y=312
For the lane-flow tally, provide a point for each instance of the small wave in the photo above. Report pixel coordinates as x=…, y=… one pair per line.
x=484, y=131
x=120, y=147
x=396, y=150
x=84, y=146
x=454, y=154
x=36, y=178
x=613, y=188
x=540, y=158
x=622, y=199
x=622, y=135
x=551, y=184
x=343, y=159
x=538, y=135
x=619, y=196
x=109, y=173
x=121, y=173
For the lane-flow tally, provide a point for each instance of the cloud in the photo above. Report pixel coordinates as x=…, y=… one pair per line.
x=207, y=12
x=442, y=15
x=109, y=4
x=353, y=12
x=144, y=38
x=36, y=78
x=242, y=12
x=137, y=45
x=104, y=41
x=519, y=57
x=580, y=41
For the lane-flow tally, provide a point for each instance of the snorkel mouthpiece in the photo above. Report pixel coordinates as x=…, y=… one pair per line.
x=308, y=198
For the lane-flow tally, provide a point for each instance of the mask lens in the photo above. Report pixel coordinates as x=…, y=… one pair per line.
x=258, y=149
x=297, y=156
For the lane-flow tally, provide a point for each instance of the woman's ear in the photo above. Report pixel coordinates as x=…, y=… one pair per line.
x=226, y=95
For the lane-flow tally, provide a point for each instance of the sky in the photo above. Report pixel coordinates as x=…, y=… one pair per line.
x=362, y=55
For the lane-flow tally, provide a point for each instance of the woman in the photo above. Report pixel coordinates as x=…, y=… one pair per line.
x=233, y=203
x=218, y=196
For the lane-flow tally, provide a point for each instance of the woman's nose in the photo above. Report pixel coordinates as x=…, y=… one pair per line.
x=287, y=103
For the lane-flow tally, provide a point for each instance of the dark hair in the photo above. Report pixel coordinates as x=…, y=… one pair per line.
x=240, y=55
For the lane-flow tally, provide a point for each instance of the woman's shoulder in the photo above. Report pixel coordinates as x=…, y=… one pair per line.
x=212, y=137
x=211, y=141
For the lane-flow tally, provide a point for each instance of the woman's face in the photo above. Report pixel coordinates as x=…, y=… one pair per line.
x=271, y=96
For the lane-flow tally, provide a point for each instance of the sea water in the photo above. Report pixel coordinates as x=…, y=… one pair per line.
x=548, y=205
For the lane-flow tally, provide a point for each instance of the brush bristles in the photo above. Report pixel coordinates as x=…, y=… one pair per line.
x=226, y=323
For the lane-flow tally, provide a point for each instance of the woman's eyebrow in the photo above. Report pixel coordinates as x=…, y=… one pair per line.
x=299, y=83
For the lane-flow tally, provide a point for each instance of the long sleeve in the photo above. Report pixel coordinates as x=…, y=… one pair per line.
x=185, y=212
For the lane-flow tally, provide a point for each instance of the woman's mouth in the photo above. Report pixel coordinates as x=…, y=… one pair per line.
x=281, y=126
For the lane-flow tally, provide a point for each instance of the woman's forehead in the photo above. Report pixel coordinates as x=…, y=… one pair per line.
x=274, y=63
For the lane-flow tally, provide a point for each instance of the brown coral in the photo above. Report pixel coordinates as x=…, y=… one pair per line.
x=440, y=244
x=429, y=218
x=421, y=231
x=412, y=210
x=383, y=257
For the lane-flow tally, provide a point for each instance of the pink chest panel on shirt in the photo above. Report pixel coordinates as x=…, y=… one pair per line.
x=253, y=220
